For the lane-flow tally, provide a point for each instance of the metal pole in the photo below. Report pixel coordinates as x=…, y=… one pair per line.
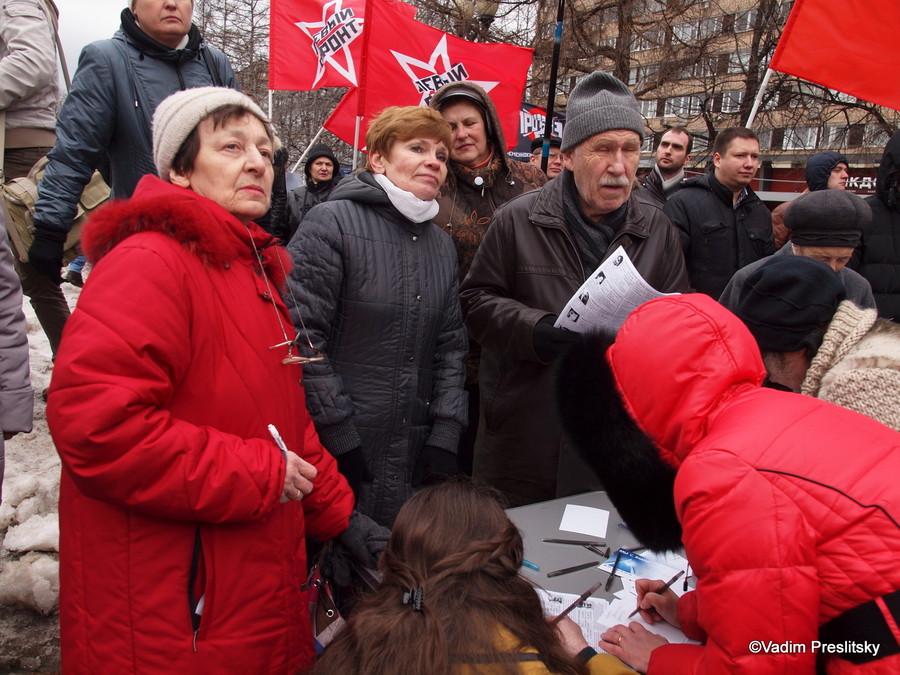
x=551, y=97
x=311, y=143
x=759, y=95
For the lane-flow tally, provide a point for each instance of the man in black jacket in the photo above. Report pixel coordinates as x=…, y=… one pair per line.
x=877, y=257
x=673, y=153
x=105, y=122
x=724, y=226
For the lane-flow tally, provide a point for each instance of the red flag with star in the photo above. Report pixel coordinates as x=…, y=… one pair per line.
x=409, y=71
x=318, y=43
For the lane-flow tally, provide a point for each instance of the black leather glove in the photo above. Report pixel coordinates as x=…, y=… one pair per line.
x=434, y=465
x=365, y=539
x=46, y=252
x=550, y=342
x=352, y=464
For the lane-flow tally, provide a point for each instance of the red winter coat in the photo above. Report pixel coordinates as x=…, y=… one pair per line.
x=159, y=403
x=774, y=491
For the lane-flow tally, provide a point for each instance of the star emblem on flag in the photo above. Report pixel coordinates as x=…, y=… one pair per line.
x=429, y=76
x=331, y=39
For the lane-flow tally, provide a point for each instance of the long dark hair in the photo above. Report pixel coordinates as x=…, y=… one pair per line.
x=455, y=542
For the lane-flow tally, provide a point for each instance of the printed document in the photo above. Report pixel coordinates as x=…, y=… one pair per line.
x=606, y=299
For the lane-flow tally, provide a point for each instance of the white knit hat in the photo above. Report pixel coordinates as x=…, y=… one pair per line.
x=178, y=115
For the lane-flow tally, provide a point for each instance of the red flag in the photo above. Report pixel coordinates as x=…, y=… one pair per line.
x=318, y=43
x=850, y=46
x=409, y=71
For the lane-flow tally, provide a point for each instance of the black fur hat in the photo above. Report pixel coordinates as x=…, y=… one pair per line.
x=639, y=483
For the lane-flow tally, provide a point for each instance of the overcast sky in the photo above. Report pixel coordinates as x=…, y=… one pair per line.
x=83, y=21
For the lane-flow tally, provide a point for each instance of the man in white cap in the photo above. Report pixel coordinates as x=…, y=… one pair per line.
x=105, y=121
x=538, y=250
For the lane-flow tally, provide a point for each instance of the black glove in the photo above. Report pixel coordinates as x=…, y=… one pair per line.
x=550, y=342
x=365, y=539
x=434, y=465
x=352, y=464
x=46, y=252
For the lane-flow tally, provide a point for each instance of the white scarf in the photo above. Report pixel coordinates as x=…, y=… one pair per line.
x=412, y=208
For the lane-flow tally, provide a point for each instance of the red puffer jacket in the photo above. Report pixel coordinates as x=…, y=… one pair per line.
x=789, y=505
x=161, y=395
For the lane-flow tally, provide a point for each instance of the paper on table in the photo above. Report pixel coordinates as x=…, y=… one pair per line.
x=617, y=611
x=633, y=566
x=606, y=299
x=586, y=615
x=585, y=520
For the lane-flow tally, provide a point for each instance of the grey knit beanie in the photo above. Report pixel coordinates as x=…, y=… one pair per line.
x=598, y=103
x=178, y=115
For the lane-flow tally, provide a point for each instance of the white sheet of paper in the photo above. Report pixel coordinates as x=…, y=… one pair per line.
x=585, y=520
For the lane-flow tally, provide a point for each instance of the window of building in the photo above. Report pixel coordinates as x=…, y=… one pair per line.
x=737, y=61
x=648, y=107
x=650, y=39
x=835, y=137
x=765, y=139
x=876, y=136
x=683, y=106
x=744, y=21
x=800, y=138
x=731, y=101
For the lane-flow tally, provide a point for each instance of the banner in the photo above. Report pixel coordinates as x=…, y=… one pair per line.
x=850, y=46
x=409, y=71
x=318, y=43
x=531, y=125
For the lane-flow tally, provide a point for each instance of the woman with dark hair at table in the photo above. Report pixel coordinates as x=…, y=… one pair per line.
x=376, y=285
x=452, y=602
x=182, y=523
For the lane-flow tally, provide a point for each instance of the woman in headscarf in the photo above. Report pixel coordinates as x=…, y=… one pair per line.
x=182, y=522
x=480, y=179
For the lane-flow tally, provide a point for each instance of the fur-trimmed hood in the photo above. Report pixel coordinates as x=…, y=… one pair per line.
x=636, y=408
x=200, y=225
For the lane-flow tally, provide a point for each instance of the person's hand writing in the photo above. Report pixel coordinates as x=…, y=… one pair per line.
x=631, y=644
x=570, y=636
x=655, y=606
x=298, y=478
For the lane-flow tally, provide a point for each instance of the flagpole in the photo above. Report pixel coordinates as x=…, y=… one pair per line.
x=361, y=88
x=551, y=97
x=356, y=141
x=308, y=147
x=759, y=95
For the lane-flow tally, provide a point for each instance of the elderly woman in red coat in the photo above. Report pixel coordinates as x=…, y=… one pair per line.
x=182, y=523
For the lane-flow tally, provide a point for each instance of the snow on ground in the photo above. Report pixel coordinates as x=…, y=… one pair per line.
x=29, y=529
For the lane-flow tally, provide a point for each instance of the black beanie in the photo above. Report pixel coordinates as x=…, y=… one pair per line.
x=789, y=299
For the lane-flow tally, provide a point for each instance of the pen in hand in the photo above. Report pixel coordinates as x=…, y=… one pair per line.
x=665, y=587
x=278, y=441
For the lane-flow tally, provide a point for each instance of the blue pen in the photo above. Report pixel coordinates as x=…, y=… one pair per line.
x=530, y=565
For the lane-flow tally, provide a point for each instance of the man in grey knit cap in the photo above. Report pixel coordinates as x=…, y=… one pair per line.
x=540, y=247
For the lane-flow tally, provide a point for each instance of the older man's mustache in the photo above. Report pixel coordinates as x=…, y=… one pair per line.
x=615, y=181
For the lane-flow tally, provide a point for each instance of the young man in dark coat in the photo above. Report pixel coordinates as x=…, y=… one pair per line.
x=724, y=225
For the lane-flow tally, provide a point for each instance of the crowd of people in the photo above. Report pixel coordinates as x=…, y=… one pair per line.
x=252, y=371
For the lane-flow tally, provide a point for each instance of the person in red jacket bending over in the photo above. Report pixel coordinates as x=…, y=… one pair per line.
x=182, y=523
x=787, y=506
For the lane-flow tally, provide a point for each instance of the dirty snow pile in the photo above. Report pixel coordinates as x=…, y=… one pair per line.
x=29, y=528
